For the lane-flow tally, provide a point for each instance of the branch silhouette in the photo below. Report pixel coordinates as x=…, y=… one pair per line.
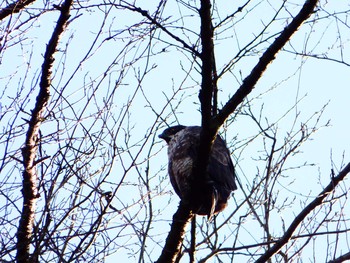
x=30, y=190
x=14, y=8
x=303, y=214
x=210, y=123
x=173, y=242
x=267, y=57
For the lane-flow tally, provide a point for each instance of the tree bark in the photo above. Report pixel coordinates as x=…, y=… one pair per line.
x=29, y=183
x=177, y=232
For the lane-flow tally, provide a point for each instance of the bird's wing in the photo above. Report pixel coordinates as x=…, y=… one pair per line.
x=220, y=168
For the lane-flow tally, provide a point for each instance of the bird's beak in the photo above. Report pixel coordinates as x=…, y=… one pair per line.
x=164, y=137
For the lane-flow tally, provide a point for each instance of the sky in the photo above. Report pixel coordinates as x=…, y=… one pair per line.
x=95, y=59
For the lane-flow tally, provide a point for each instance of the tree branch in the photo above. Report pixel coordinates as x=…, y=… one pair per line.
x=303, y=214
x=173, y=242
x=29, y=190
x=208, y=132
x=211, y=124
x=268, y=56
x=340, y=259
x=206, y=92
x=207, y=137
x=14, y=8
x=163, y=28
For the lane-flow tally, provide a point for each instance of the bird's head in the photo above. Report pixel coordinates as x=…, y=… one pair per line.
x=168, y=133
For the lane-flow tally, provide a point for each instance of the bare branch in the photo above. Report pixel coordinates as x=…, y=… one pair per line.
x=268, y=56
x=340, y=259
x=174, y=240
x=206, y=92
x=14, y=8
x=302, y=215
x=30, y=191
x=163, y=28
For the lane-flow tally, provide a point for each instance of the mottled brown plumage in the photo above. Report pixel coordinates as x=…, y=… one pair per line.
x=215, y=188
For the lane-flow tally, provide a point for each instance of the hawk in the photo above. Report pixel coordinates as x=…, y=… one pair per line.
x=214, y=188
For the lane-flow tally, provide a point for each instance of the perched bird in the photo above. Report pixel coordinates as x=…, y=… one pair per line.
x=214, y=188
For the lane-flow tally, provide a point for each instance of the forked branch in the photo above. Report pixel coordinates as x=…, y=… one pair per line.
x=210, y=123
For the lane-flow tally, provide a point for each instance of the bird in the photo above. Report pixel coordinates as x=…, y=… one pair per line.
x=214, y=188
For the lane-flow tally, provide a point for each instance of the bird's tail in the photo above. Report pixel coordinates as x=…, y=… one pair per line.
x=214, y=201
